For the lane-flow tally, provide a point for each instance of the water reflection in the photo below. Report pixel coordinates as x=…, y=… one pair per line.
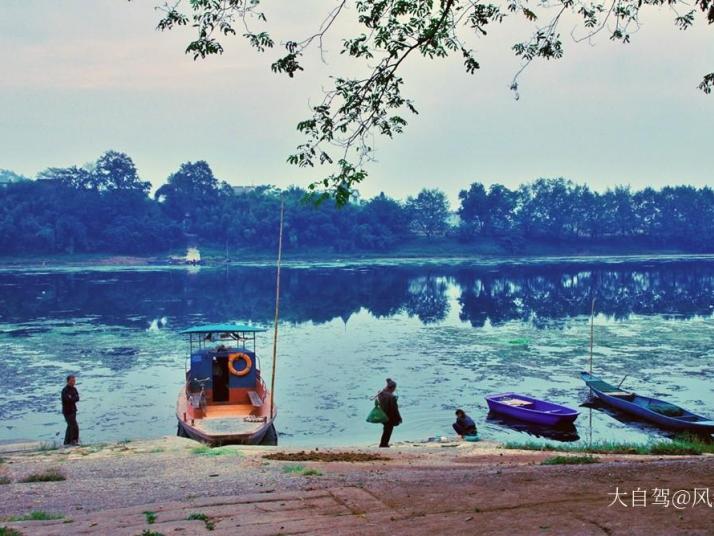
x=566, y=433
x=541, y=295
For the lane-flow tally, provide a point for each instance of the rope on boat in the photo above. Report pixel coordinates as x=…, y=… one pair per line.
x=277, y=309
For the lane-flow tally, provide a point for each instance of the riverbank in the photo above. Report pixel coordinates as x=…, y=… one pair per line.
x=413, y=250
x=154, y=487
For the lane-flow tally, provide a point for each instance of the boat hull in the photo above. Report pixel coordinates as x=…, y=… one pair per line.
x=186, y=430
x=531, y=410
x=638, y=405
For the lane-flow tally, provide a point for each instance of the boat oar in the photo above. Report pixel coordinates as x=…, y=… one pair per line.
x=622, y=381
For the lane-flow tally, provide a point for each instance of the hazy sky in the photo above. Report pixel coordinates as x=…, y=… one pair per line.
x=79, y=77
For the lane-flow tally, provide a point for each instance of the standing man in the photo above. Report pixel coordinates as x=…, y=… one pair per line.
x=388, y=402
x=70, y=397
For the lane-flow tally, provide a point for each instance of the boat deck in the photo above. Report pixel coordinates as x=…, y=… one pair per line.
x=226, y=420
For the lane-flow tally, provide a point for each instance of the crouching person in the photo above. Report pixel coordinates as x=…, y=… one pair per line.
x=464, y=424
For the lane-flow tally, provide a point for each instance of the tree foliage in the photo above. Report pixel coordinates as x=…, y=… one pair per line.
x=428, y=212
x=77, y=209
x=560, y=211
x=344, y=122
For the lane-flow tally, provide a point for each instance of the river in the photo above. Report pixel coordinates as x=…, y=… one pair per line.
x=447, y=332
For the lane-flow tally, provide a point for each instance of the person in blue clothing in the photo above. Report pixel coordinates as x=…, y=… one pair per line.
x=464, y=424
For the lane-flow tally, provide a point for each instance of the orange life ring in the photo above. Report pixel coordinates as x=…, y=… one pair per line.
x=243, y=357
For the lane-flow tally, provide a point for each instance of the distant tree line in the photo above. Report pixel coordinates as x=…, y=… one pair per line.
x=559, y=211
x=106, y=207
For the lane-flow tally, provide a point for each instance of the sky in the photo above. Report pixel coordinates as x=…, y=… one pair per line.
x=79, y=77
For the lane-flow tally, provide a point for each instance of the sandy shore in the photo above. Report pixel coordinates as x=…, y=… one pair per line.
x=456, y=488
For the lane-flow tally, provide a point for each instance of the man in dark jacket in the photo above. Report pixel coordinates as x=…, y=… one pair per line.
x=388, y=402
x=464, y=424
x=70, y=397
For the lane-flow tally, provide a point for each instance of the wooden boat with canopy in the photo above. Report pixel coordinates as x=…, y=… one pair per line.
x=224, y=399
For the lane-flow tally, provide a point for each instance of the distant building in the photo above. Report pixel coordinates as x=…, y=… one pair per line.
x=193, y=256
x=242, y=190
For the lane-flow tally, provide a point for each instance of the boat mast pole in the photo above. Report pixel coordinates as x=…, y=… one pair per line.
x=592, y=330
x=277, y=309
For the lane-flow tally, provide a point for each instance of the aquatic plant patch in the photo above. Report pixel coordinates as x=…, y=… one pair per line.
x=6, y=531
x=316, y=456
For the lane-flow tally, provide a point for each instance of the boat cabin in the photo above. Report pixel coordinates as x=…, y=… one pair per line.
x=222, y=368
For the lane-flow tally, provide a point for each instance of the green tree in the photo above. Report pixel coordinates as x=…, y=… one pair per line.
x=428, y=212
x=502, y=204
x=390, y=33
x=189, y=191
x=473, y=210
x=116, y=171
x=79, y=178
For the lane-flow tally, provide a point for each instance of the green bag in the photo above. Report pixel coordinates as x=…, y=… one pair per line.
x=377, y=415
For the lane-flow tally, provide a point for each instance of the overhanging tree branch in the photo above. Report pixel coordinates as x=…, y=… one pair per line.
x=354, y=111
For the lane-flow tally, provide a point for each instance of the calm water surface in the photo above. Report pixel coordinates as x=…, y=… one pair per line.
x=447, y=333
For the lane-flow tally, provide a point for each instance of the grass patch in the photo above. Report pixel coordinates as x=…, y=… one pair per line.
x=5, y=531
x=51, y=475
x=36, y=515
x=311, y=472
x=150, y=517
x=210, y=525
x=219, y=451
x=675, y=447
x=92, y=449
x=148, y=532
x=293, y=469
x=570, y=460
x=301, y=470
x=4, y=480
x=46, y=446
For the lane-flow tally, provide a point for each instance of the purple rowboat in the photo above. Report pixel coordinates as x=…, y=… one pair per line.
x=531, y=409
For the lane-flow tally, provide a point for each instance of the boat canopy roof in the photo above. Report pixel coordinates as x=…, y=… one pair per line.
x=223, y=328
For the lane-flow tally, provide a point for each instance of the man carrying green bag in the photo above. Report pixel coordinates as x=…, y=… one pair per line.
x=377, y=415
x=386, y=412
